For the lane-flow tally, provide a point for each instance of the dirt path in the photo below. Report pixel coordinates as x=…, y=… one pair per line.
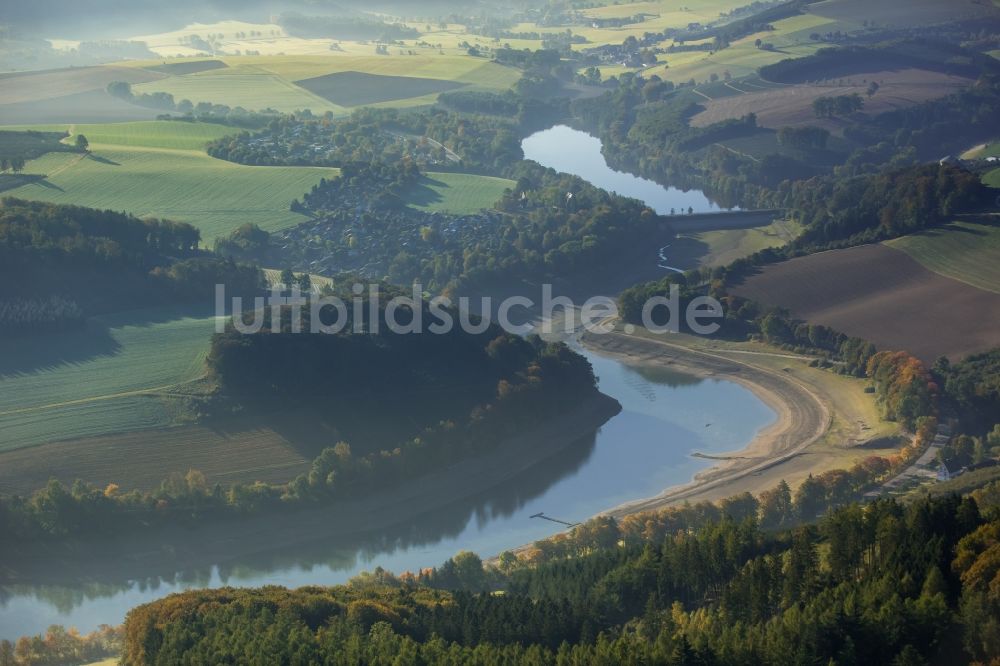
x=156, y=390
x=58, y=170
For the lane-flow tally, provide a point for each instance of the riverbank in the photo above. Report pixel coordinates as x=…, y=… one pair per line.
x=823, y=420
x=166, y=552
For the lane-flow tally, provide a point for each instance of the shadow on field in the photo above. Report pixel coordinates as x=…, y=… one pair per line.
x=35, y=353
x=103, y=160
x=686, y=253
x=422, y=194
x=46, y=184
x=935, y=232
x=13, y=181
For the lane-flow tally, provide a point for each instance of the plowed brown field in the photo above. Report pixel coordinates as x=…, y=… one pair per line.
x=883, y=295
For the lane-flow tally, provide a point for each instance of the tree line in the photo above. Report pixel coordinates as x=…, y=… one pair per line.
x=892, y=582
x=548, y=225
x=642, y=122
x=61, y=262
x=59, y=646
x=457, y=394
x=203, y=111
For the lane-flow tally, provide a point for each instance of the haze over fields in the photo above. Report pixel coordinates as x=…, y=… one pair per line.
x=504, y=331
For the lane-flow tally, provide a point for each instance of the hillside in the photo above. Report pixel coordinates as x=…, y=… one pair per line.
x=720, y=591
x=966, y=250
x=882, y=295
x=686, y=315
x=160, y=169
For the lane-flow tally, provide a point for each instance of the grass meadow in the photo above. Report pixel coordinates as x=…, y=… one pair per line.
x=153, y=134
x=259, y=82
x=97, y=380
x=458, y=193
x=158, y=169
x=963, y=250
x=992, y=178
x=722, y=246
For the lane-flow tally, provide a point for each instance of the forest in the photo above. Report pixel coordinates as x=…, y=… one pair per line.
x=59, y=263
x=920, y=53
x=839, y=210
x=643, y=125
x=452, y=396
x=879, y=583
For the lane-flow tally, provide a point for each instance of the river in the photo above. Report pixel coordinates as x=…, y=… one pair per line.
x=571, y=151
x=665, y=418
x=646, y=448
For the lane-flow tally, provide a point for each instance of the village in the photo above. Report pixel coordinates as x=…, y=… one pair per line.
x=362, y=225
x=303, y=141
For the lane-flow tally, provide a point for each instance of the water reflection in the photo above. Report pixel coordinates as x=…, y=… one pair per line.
x=333, y=554
x=574, y=152
x=644, y=449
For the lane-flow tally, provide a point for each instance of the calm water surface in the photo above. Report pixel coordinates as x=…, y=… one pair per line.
x=638, y=453
x=571, y=151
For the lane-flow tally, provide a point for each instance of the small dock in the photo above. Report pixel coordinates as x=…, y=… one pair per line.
x=542, y=515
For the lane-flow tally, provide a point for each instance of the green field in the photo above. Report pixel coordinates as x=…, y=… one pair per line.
x=231, y=87
x=723, y=246
x=742, y=58
x=157, y=168
x=458, y=193
x=90, y=382
x=153, y=134
x=178, y=135
x=966, y=251
x=992, y=178
x=259, y=82
x=991, y=150
x=134, y=172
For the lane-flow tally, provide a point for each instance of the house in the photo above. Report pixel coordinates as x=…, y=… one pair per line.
x=943, y=473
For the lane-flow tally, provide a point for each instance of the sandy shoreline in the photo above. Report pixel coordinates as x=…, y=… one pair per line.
x=801, y=416
x=178, y=548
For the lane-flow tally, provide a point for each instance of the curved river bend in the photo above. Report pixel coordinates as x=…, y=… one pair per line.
x=638, y=453
x=574, y=152
x=571, y=151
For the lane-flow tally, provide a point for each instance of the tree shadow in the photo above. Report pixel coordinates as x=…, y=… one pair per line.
x=44, y=182
x=25, y=355
x=685, y=253
x=423, y=194
x=33, y=353
x=103, y=160
x=13, y=181
x=954, y=228
x=984, y=219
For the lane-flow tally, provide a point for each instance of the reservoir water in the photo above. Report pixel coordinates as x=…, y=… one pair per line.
x=647, y=447
x=638, y=453
x=571, y=151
